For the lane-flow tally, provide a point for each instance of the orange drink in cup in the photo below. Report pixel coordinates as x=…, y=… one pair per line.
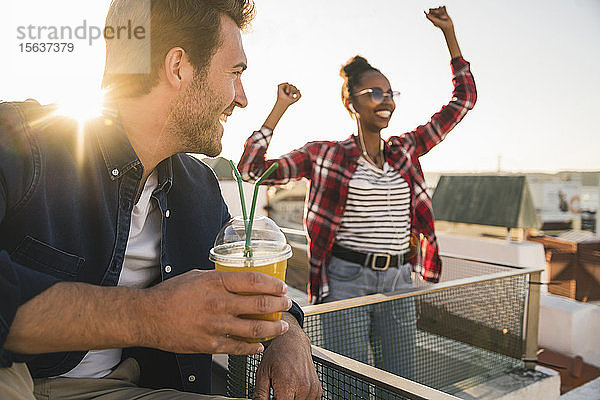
x=270, y=253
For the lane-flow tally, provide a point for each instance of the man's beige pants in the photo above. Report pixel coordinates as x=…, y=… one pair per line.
x=16, y=384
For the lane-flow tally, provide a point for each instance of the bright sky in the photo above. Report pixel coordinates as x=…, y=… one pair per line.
x=535, y=64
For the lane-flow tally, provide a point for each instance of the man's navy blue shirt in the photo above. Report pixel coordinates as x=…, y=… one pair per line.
x=65, y=207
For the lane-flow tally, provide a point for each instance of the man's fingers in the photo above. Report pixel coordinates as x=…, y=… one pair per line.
x=308, y=390
x=316, y=392
x=252, y=283
x=284, y=389
x=239, y=304
x=262, y=385
x=287, y=394
x=229, y=345
x=254, y=328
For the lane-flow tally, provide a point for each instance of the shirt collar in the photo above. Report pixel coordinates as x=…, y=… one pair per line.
x=165, y=174
x=352, y=147
x=119, y=156
x=116, y=149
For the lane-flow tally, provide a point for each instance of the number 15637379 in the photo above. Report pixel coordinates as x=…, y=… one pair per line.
x=47, y=47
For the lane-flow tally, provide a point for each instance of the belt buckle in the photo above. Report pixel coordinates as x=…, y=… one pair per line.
x=374, y=261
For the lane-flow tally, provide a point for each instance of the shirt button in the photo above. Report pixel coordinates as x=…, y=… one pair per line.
x=115, y=172
x=191, y=378
x=167, y=213
x=168, y=269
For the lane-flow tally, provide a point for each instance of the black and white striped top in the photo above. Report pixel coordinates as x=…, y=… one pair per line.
x=377, y=216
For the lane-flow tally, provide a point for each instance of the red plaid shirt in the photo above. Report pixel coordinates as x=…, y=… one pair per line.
x=329, y=165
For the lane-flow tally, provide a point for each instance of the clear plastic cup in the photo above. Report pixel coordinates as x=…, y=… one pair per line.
x=270, y=253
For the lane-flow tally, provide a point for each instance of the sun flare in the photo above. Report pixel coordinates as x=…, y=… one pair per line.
x=81, y=106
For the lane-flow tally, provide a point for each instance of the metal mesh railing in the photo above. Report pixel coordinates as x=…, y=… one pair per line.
x=449, y=336
x=449, y=339
x=343, y=385
x=340, y=383
x=342, y=378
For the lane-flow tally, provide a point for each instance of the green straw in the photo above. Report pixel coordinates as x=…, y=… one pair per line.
x=248, y=249
x=238, y=177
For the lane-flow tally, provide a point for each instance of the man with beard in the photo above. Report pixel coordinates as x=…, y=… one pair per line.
x=105, y=288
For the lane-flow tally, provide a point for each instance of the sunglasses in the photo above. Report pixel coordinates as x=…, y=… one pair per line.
x=378, y=95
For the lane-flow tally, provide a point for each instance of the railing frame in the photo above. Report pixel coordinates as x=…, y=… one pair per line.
x=381, y=297
x=406, y=387
x=533, y=321
x=531, y=316
x=377, y=377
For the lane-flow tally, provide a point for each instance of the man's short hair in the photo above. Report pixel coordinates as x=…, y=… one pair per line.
x=133, y=67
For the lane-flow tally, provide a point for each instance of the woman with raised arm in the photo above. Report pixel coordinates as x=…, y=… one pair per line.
x=367, y=196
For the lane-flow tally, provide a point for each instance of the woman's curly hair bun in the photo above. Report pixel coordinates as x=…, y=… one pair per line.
x=352, y=71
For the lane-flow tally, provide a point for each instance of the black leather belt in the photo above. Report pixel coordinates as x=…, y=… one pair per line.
x=376, y=261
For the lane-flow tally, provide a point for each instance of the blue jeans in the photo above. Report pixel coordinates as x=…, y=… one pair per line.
x=382, y=334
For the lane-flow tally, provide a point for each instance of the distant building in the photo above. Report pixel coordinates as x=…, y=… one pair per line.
x=488, y=200
x=567, y=196
x=563, y=201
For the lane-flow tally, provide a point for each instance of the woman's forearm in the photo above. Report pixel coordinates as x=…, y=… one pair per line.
x=452, y=43
x=276, y=113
